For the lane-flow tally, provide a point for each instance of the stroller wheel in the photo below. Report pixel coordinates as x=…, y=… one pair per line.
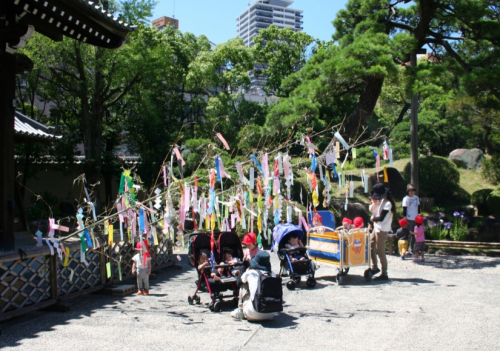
x=368, y=275
x=297, y=279
x=340, y=279
x=311, y=282
x=290, y=285
x=190, y=300
x=197, y=299
x=217, y=306
x=345, y=271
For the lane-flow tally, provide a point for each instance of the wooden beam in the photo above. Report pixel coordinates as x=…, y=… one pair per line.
x=7, y=113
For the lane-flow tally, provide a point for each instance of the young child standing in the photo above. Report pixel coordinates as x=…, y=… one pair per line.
x=403, y=235
x=142, y=267
x=419, y=238
x=411, y=208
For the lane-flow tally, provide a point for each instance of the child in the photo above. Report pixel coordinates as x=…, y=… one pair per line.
x=234, y=261
x=403, y=235
x=358, y=223
x=347, y=224
x=419, y=238
x=203, y=262
x=411, y=208
x=294, y=243
x=250, y=240
x=142, y=267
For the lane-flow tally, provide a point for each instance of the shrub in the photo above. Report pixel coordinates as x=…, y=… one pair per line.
x=479, y=200
x=493, y=201
x=490, y=170
x=438, y=178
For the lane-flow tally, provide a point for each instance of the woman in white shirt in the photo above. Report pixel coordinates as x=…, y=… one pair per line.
x=382, y=213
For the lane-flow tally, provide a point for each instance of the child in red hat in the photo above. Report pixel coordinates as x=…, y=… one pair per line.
x=250, y=240
x=358, y=222
x=419, y=238
x=347, y=224
x=142, y=267
x=403, y=235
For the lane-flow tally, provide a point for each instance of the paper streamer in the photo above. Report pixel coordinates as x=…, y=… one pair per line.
x=88, y=239
x=110, y=235
x=386, y=177
x=280, y=163
x=179, y=156
x=257, y=164
x=120, y=270
x=377, y=162
x=342, y=141
x=66, y=260
x=223, y=141
x=366, y=184
x=187, y=198
x=108, y=270
x=252, y=175
x=304, y=224
x=391, y=161
x=351, y=189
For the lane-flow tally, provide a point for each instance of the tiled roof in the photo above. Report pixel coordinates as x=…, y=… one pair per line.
x=27, y=127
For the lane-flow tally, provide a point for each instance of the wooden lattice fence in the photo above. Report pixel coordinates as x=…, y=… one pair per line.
x=39, y=280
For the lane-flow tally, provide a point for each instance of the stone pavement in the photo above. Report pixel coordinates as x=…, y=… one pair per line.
x=448, y=303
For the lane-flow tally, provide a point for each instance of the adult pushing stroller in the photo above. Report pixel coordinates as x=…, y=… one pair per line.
x=201, y=243
x=293, y=268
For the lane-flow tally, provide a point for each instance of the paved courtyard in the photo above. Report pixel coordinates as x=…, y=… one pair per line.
x=448, y=303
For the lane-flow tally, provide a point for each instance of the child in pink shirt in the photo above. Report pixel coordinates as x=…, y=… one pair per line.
x=419, y=238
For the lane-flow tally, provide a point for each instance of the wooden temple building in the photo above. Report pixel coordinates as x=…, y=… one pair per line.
x=81, y=20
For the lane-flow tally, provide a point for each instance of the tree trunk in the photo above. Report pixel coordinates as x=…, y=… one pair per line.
x=366, y=104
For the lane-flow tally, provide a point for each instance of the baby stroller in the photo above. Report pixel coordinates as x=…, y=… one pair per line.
x=201, y=243
x=230, y=241
x=293, y=269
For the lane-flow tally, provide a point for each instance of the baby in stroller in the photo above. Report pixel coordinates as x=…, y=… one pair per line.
x=294, y=243
x=294, y=261
x=204, y=263
x=234, y=263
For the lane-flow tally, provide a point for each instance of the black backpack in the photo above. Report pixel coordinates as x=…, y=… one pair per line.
x=269, y=295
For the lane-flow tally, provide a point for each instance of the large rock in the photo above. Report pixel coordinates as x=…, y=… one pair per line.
x=396, y=183
x=354, y=209
x=467, y=158
x=490, y=230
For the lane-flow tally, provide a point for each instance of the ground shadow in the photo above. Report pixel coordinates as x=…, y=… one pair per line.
x=414, y=281
x=449, y=262
x=12, y=331
x=282, y=320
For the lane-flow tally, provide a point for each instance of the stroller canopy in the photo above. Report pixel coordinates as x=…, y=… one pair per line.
x=284, y=229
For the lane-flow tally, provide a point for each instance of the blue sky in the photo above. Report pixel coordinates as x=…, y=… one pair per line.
x=216, y=18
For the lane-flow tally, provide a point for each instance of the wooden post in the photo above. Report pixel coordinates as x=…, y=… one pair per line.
x=54, y=289
x=102, y=264
x=7, y=113
x=414, y=130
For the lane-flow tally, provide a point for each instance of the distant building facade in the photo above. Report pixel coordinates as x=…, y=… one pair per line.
x=261, y=14
x=164, y=21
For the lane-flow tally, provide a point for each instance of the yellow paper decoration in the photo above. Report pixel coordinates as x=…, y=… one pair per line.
x=213, y=222
x=110, y=235
x=386, y=177
x=259, y=223
x=353, y=153
x=65, y=264
x=207, y=223
x=315, y=198
x=155, y=237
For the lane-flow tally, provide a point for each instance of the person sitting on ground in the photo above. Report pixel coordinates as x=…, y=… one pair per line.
x=203, y=263
x=250, y=281
x=294, y=243
x=142, y=267
x=347, y=224
x=403, y=235
x=358, y=222
x=250, y=240
x=419, y=238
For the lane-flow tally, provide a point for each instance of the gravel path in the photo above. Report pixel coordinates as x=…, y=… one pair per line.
x=448, y=303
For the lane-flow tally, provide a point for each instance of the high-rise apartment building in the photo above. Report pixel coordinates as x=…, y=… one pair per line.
x=261, y=14
x=164, y=21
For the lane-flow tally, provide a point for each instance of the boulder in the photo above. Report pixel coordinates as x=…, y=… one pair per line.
x=489, y=230
x=354, y=209
x=396, y=183
x=467, y=158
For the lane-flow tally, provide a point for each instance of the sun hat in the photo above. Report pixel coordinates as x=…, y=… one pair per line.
x=140, y=245
x=346, y=220
x=410, y=187
x=403, y=222
x=379, y=192
x=250, y=238
x=419, y=219
x=262, y=261
x=358, y=222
